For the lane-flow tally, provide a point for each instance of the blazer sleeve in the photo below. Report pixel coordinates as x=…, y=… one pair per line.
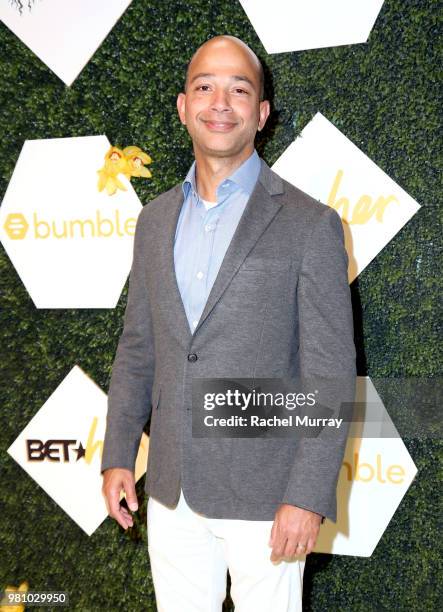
x=129, y=404
x=327, y=363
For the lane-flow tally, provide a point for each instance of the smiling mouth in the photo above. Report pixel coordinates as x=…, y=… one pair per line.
x=219, y=126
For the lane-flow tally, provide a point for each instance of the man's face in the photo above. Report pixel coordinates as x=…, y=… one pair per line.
x=221, y=107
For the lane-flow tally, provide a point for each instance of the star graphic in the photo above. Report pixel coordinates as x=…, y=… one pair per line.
x=81, y=452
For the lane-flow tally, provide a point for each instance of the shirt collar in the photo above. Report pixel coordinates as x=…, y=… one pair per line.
x=245, y=176
x=189, y=182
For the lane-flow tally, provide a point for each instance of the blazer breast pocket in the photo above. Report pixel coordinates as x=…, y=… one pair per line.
x=258, y=280
x=262, y=264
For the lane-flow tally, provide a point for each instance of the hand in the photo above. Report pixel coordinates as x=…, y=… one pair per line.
x=114, y=480
x=294, y=532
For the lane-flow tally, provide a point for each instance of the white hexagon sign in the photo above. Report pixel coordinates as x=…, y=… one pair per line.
x=376, y=473
x=71, y=245
x=329, y=167
x=61, y=449
x=295, y=25
x=64, y=35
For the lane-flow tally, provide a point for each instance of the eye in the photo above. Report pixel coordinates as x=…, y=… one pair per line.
x=240, y=90
x=203, y=87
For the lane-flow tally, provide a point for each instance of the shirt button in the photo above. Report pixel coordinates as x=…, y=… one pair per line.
x=200, y=275
x=194, y=323
x=192, y=357
x=209, y=227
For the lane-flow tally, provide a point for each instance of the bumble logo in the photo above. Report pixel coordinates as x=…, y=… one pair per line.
x=365, y=208
x=97, y=226
x=374, y=476
x=16, y=226
x=71, y=245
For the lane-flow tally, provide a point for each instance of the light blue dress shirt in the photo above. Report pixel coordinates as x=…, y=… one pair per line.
x=203, y=236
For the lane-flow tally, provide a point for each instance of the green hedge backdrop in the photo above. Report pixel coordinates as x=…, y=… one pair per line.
x=383, y=95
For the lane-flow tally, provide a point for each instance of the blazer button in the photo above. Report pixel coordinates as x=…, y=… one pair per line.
x=192, y=357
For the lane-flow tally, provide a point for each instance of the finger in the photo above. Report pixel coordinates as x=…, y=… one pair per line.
x=126, y=514
x=301, y=549
x=271, y=537
x=131, y=497
x=113, y=495
x=278, y=549
x=115, y=508
x=290, y=548
x=122, y=520
x=310, y=545
x=119, y=517
x=128, y=520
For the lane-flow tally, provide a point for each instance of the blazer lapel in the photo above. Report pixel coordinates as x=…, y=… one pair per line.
x=172, y=301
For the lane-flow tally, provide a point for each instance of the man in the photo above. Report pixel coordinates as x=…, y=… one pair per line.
x=236, y=274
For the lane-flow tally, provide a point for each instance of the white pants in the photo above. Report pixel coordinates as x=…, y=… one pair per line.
x=190, y=555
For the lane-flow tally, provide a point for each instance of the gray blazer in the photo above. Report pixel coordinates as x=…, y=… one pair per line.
x=280, y=307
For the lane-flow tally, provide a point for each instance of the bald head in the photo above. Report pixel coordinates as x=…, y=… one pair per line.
x=226, y=41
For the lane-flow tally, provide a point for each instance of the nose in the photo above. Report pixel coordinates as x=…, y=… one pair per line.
x=220, y=101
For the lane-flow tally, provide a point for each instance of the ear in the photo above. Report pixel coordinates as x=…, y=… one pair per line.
x=265, y=109
x=181, y=107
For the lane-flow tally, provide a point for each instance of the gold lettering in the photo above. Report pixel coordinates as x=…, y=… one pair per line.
x=395, y=474
x=379, y=476
x=130, y=226
x=366, y=472
x=54, y=230
x=381, y=206
x=364, y=209
x=81, y=223
x=342, y=201
x=358, y=466
x=91, y=446
x=37, y=225
x=101, y=227
x=117, y=223
x=100, y=223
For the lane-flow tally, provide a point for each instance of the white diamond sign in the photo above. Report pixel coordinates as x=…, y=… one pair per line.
x=328, y=166
x=64, y=34
x=289, y=25
x=61, y=449
x=71, y=244
x=375, y=475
